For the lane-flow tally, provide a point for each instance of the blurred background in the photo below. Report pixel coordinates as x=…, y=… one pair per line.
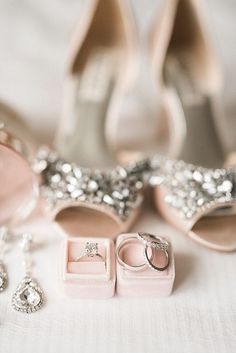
x=34, y=40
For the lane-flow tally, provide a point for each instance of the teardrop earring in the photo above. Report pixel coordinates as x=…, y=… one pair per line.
x=4, y=234
x=28, y=296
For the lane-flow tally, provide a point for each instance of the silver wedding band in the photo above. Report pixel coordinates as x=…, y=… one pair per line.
x=149, y=241
x=133, y=268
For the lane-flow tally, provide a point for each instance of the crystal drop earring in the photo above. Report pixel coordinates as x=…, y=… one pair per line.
x=4, y=234
x=28, y=296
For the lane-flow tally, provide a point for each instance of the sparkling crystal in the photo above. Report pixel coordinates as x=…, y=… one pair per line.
x=211, y=190
x=70, y=187
x=108, y=199
x=56, y=178
x=59, y=194
x=188, y=174
x=139, y=185
x=207, y=177
x=3, y=278
x=156, y=180
x=76, y=193
x=216, y=174
x=26, y=241
x=200, y=201
x=117, y=195
x=72, y=180
x=30, y=296
x=39, y=166
x=208, y=186
x=52, y=157
x=193, y=194
x=197, y=176
x=66, y=168
x=77, y=172
x=92, y=186
x=108, y=188
x=125, y=192
x=192, y=188
x=91, y=249
x=122, y=172
x=226, y=186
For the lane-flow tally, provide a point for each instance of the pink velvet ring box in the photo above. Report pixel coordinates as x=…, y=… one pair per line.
x=89, y=277
x=146, y=282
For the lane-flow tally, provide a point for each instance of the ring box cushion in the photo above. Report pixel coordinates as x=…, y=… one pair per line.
x=86, y=265
x=146, y=282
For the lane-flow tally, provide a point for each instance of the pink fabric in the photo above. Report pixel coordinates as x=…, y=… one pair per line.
x=16, y=184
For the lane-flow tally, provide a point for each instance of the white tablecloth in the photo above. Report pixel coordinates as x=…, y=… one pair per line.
x=200, y=316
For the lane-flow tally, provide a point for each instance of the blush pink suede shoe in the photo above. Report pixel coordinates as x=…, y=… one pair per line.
x=102, y=68
x=190, y=81
x=200, y=202
x=197, y=200
x=19, y=185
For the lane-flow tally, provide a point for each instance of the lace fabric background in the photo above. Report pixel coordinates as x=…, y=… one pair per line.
x=200, y=316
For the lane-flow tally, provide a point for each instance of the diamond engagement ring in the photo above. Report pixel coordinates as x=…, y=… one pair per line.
x=90, y=251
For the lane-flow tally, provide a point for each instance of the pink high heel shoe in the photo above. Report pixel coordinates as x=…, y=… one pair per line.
x=197, y=200
x=190, y=81
x=102, y=67
x=80, y=201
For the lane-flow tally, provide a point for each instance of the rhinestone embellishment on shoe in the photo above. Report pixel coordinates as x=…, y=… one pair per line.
x=118, y=189
x=192, y=189
x=28, y=296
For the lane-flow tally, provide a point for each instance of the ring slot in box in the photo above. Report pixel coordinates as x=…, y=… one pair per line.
x=80, y=263
x=89, y=269
x=146, y=282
